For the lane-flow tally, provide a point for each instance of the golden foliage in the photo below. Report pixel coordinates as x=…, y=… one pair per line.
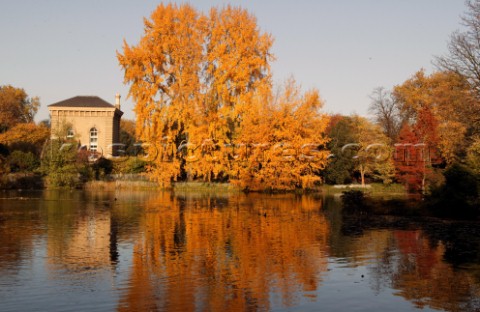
x=199, y=80
x=453, y=104
x=374, y=154
x=25, y=132
x=283, y=140
x=16, y=107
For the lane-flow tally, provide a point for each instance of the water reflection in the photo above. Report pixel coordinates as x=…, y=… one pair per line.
x=149, y=251
x=432, y=263
x=219, y=254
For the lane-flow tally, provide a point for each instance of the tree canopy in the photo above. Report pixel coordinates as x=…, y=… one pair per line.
x=198, y=80
x=16, y=107
x=445, y=106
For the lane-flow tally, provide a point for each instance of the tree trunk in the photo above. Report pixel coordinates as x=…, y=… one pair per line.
x=362, y=175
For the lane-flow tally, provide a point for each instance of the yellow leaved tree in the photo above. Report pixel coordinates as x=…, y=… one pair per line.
x=186, y=75
x=282, y=141
x=453, y=105
x=163, y=74
x=372, y=151
x=203, y=93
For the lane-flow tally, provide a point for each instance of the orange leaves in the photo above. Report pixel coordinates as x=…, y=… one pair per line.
x=187, y=74
x=25, y=132
x=16, y=107
x=443, y=107
x=202, y=85
x=238, y=54
x=287, y=138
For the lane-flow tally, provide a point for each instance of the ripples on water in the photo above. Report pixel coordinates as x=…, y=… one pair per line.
x=87, y=251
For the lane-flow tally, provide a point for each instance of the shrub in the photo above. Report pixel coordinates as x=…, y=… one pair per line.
x=19, y=161
x=102, y=167
x=458, y=196
x=61, y=164
x=130, y=165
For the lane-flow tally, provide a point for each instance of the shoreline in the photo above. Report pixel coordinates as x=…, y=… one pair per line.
x=35, y=181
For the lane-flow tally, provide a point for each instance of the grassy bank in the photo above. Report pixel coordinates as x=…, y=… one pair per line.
x=373, y=190
x=122, y=185
x=205, y=187
x=179, y=187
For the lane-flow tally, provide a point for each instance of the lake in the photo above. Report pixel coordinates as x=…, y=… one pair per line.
x=159, y=251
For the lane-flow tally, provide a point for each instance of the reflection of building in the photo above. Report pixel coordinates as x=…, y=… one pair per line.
x=92, y=243
x=90, y=120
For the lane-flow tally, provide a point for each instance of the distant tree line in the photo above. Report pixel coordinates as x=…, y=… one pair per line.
x=207, y=110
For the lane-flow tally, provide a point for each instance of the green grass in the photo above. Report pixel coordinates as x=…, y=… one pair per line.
x=205, y=187
x=126, y=185
x=374, y=189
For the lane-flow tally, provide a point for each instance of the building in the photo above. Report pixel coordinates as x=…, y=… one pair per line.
x=90, y=120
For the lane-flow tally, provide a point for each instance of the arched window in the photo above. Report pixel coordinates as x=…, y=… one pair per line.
x=70, y=133
x=93, y=139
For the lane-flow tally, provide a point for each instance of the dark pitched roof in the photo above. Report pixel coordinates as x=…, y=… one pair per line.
x=82, y=101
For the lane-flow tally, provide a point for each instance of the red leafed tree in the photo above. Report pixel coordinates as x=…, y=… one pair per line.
x=415, y=150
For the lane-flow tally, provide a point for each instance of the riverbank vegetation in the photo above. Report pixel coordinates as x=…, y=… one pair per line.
x=208, y=113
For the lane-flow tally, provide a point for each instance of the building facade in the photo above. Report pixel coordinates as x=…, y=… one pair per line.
x=89, y=120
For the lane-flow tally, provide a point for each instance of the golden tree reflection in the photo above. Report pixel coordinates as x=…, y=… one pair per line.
x=219, y=254
x=165, y=252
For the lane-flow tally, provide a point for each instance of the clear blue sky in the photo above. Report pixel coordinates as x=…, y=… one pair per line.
x=57, y=49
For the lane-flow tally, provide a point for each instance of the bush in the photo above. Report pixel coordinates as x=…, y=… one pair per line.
x=458, y=196
x=19, y=161
x=129, y=165
x=102, y=167
x=61, y=163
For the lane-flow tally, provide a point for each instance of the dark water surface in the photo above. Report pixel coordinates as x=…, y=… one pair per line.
x=149, y=251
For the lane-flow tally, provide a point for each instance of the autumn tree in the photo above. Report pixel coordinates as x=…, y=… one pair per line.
x=20, y=136
x=451, y=105
x=26, y=133
x=16, y=107
x=411, y=168
x=473, y=157
x=188, y=75
x=416, y=152
x=237, y=65
x=163, y=73
x=372, y=151
x=282, y=140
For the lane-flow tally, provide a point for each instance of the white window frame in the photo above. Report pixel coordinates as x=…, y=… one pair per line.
x=70, y=133
x=93, y=139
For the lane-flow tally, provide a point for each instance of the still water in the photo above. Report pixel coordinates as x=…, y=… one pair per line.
x=150, y=251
